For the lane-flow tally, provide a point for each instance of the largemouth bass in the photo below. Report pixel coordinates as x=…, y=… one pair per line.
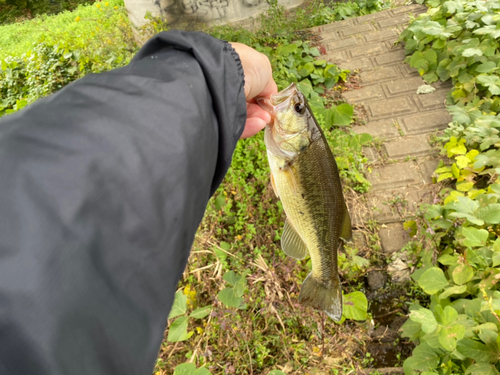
x=306, y=179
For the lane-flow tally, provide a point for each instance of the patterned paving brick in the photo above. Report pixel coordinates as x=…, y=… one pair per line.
x=395, y=57
x=371, y=17
x=391, y=107
x=427, y=168
x=380, y=75
x=384, y=129
x=394, y=176
x=402, y=86
x=358, y=29
x=434, y=100
x=408, y=71
x=425, y=122
x=412, y=146
x=378, y=36
x=365, y=94
x=341, y=44
x=364, y=63
x=336, y=56
x=368, y=49
x=393, y=21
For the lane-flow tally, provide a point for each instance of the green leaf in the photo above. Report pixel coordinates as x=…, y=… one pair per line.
x=477, y=351
x=306, y=69
x=342, y=114
x=457, y=289
x=422, y=359
x=486, y=67
x=472, y=52
x=448, y=336
x=201, y=312
x=426, y=318
x=432, y=280
x=462, y=273
x=481, y=369
x=355, y=306
x=178, y=330
x=276, y=372
x=474, y=237
x=179, y=306
x=190, y=369
x=230, y=297
x=490, y=214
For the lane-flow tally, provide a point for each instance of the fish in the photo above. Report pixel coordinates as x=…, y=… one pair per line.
x=305, y=177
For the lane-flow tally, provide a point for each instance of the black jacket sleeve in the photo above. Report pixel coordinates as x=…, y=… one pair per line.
x=102, y=188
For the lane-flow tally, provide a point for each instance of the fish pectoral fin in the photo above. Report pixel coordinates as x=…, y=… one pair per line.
x=290, y=178
x=273, y=184
x=291, y=243
x=346, y=233
x=324, y=296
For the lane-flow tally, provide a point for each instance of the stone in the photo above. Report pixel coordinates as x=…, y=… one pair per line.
x=378, y=75
x=365, y=94
x=384, y=129
x=363, y=63
x=393, y=238
x=358, y=29
x=376, y=280
x=402, y=86
x=393, y=176
x=381, y=35
x=426, y=122
x=391, y=107
x=427, y=169
x=436, y=100
x=412, y=146
x=341, y=44
x=394, y=57
x=394, y=21
x=368, y=49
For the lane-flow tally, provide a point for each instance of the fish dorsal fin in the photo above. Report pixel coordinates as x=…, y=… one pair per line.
x=291, y=243
x=273, y=184
x=346, y=234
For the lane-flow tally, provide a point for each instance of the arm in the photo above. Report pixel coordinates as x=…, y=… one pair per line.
x=102, y=188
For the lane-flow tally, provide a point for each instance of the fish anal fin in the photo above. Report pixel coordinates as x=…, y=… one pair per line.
x=346, y=233
x=322, y=296
x=291, y=243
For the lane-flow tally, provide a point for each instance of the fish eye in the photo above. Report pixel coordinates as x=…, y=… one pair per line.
x=299, y=108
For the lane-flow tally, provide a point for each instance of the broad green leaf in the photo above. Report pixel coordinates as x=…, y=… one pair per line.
x=490, y=214
x=230, y=298
x=477, y=351
x=462, y=273
x=449, y=315
x=232, y=278
x=422, y=359
x=464, y=186
x=432, y=280
x=201, y=312
x=179, y=306
x=342, y=114
x=472, y=52
x=457, y=289
x=486, y=67
x=355, y=306
x=276, y=372
x=306, y=69
x=411, y=329
x=481, y=369
x=190, y=369
x=462, y=161
x=449, y=335
x=474, y=237
x=178, y=330
x=426, y=318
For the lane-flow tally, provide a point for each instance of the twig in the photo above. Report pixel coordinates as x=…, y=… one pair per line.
x=250, y=358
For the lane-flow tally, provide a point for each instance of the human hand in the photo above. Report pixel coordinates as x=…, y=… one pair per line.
x=259, y=83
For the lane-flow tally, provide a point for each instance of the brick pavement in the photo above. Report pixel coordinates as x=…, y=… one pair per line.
x=397, y=117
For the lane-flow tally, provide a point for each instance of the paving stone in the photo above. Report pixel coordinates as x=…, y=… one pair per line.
x=371, y=17
x=388, y=58
x=425, y=122
x=391, y=107
x=434, y=100
x=371, y=154
x=402, y=86
x=368, y=49
x=412, y=146
x=336, y=56
x=330, y=37
x=358, y=29
x=336, y=26
x=364, y=63
x=393, y=237
x=393, y=21
x=427, y=168
x=378, y=75
x=341, y=44
x=384, y=129
x=415, y=8
x=365, y=94
x=381, y=35
x=408, y=71
x=394, y=176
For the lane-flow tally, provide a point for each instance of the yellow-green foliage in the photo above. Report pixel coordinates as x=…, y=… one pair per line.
x=98, y=27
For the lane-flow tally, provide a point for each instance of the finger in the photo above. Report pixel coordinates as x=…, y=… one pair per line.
x=255, y=110
x=253, y=126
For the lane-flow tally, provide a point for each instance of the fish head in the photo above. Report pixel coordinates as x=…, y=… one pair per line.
x=293, y=125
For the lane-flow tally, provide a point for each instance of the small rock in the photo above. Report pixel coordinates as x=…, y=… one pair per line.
x=425, y=89
x=376, y=280
x=399, y=271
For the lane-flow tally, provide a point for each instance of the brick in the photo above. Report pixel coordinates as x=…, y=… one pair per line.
x=384, y=129
x=434, y=100
x=427, y=168
x=358, y=29
x=372, y=17
x=393, y=238
x=402, y=86
x=412, y=146
x=341, y=44
x=425, y=122
x=393, y=21
x=364, y=63
x=395, y=57
x=371, y=154
x=336, y=56
x=368, y=49
x=394, y=176
x=380, y=74
x=330, y=37
x=336, y=26
x=391, y=107
x=365, y=94
x=408, y=71
x=381, y=35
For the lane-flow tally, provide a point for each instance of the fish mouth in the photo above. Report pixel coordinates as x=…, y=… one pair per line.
x=283, y=95
x=278, y=101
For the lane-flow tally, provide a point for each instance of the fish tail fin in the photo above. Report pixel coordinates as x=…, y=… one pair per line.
x=323, y=296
